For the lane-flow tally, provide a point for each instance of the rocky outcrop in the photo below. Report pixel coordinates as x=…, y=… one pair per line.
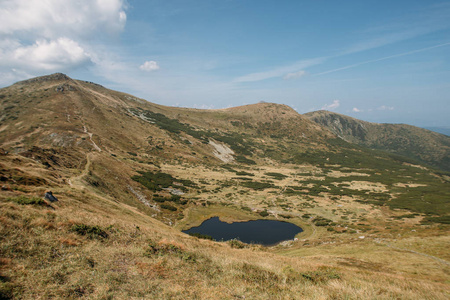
x=347, y=128
x=51, y=77
x=65, y=87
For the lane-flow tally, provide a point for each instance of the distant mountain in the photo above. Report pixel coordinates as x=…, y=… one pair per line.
x=420, y=144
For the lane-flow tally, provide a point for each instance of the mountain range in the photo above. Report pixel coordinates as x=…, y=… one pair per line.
x=129, y=175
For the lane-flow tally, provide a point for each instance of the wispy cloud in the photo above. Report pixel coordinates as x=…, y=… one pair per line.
x=380, y=108
x=431, y=19
x=332, y=106
x=294, y=75
x=381, y=59
x=281, y=71
x=384, y=107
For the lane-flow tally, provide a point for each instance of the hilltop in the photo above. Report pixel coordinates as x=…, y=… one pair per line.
x=129, y=175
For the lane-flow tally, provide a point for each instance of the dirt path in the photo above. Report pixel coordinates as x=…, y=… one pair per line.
x=75, y=181
x=90, y=138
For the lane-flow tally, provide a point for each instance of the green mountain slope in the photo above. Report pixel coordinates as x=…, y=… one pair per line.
x=420, y=144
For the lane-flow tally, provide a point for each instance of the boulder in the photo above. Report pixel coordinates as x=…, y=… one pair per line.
x=49, y=196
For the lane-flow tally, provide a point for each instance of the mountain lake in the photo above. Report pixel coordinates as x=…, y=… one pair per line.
x=264, y=232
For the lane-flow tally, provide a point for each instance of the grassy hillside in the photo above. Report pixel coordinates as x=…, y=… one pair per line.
x=130, y=175
x=422, y=145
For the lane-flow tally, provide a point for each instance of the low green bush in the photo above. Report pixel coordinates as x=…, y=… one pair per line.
x=277, y=176
x=163, y=248
x=168, y=207
x=244, y=160
x=237, y=244
x=201, y=236
x=320, y=221
x=256, y=185
x=22, y=200
x=442, y=220
x=92, y=232
x=263, y=213
x=243, y=173
x=322, y=275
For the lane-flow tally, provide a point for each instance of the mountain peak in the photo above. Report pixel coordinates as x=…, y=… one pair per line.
x=51, y=77
x=264, y=109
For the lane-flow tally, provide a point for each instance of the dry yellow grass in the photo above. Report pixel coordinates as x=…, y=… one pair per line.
x=42, y=257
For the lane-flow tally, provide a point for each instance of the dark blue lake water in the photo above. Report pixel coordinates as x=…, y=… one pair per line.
x=264, y=232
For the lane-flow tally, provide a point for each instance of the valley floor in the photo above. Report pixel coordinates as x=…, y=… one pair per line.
x=88, y=246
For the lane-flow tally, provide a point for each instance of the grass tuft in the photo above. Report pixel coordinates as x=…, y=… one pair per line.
x=22, y=200
x=324, y=274
x=92, y=232
x=237, y=244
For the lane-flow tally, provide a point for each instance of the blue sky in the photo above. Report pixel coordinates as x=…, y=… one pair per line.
x=380, y=61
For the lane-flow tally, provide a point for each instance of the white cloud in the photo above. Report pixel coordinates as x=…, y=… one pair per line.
x=50, y=55
x=203, y=106
x=150, y=65
x=38, y=36
x=384, y=107
x=334, y=105
x=381, y=108
x=55, y=18
x=294, y=75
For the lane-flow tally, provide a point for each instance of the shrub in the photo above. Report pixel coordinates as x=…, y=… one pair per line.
x=158, y=181
x=408, y=216
x=154, y=181
x=229, y=168
x=159, y=199
x=241, y=178
x=319, y=221
x=264, y=213
x=201, y=236
x=257, y=185
x=442, y=220
x=169, y=248
x=243, y=173
x=237, y=244
x=168, y=207
x=277, y=176
x=246, y=208
x=92, y=232
x=22, y=200
x=322, y=275
x=286, y=216
x=244, y=160
x=162, y=248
